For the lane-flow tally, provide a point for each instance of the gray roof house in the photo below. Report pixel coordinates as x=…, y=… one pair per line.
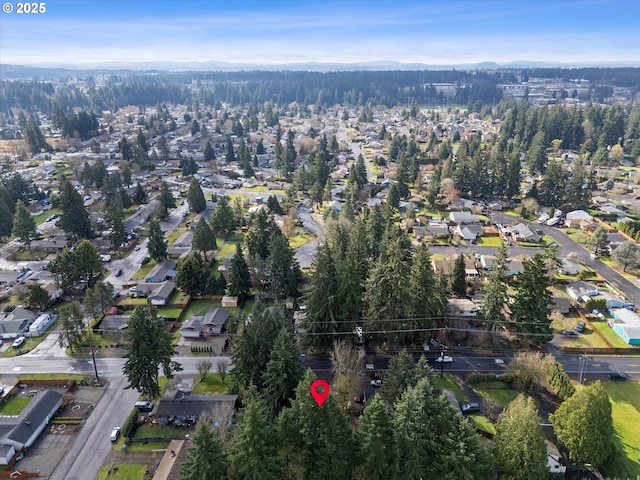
x=161, y=272
x=463, y=218
x=212, y=323
x=24, y=429
x=15, y=323
x=162, y=294
x=523, y=233
x=461, y=307
x=580, y=290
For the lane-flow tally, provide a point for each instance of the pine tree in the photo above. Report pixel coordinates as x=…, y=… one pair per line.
x=520, y=451
x=239, y=278
x=118, y=235
x=283, y=372
x=149, y=348
x=254, y=453
x=376, y=443
x=139, y=196
x=321, y=301
x=317, y=441
x=399, y=376
x=205, y=458
x=223, y=220
x=496, y=293
x=282, y=267
x=530, y=304
x=6, y=219
x=71, y=324
x=166, y=201
x=193, y=275
x=203, y=238
x=24, y=226
x=74, y=218
x=195, y=197
x=157, y=244
x=209, y=153
x=584, y=424
x=459, y=278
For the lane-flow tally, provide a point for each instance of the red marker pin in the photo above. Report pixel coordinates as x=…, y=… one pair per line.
x=318, y=396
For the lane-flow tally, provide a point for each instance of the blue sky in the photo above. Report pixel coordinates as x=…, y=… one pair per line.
x=273, y=32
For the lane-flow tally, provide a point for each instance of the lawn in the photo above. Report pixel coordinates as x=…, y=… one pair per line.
x=609, y=334
x=448, y=382
x=159, y=431
x=200, y=307
x=489, y=241
x=171, y=313
x=143, y=271
x=178, y=298
x=14, y=406
x=141, y=447
x=121, y=471
x=175, y=235
x=133, y=301
x=227, y=247
x=299, y=240
x=482, y=423
x=625, y=399
x=212, y=383
x=50, y=376
x=497, y=391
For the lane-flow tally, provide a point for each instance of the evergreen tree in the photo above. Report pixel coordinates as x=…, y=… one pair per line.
x=223, y=220
x=376, y=443
x=74, y=218
x=434, y=441
x=599, y=240
x=496, y=290
x=459, y=278
x=560, y=382
x=38, y=298
x=399, y=376
x=626, y=254
x=149, y=348
x=320, y=298
x=195, y=197
x=118, y=235
x=254, y=344
x=157, y=244
x=317, y=442
x=205, y=458
x=254, y=453
x=166, y=201
x=87, y=263
x=530, y=304
x=209, y=153
x=203, y=238
x=24, y=226
x=520, y=451
x=584, y=424
x=193, y=275
x=6, y=219
x=282, y=267
x=139, y=196
x=283, y=372
x=239, y=278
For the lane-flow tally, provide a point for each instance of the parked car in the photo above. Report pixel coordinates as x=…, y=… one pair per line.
x=115, y=433
x=580, y=327
x=445, y=359
x=18, y=342
x=570, y=333
x=119, y=272
x=144, y=406
x=359, y=398
x=617, y=376
x=137, y=248
x=470, y=407
x=376, y=383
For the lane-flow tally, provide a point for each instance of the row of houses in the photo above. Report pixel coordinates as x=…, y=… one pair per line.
x=24, y=322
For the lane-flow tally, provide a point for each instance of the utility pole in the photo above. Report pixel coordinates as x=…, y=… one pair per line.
x=93, y=350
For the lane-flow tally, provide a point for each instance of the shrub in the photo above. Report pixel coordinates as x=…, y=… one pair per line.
x=481, y=378
x=130, y=423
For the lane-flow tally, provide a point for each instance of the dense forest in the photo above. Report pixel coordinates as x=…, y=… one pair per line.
x=109, y=90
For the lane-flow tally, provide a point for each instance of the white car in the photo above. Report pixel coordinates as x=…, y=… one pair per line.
x=445, y=359
x=499, y=361
x=115, y=434
x=376, y=383
x=18, y=342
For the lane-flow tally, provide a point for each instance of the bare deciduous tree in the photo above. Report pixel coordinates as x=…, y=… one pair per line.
x=203, y=368
x=221, y=368
x=530, y=368
x=346, y=359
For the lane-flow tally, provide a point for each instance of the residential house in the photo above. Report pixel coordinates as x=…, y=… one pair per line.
x=514, y=268
x=184, y=403
x=438, y=230
x=446, y=266
x=212, y=323
x=41, y=323
x=15, y=323
x=461, y=307
x=555, y=462
x=35, y=208
x=22, y=431
x=9, y=278
x=613, y=210
x=569, y=268
x=577, y=218
x=54, y=290
x=522, y=233
x=613, y=301
x=115, y=323
x=627, y=325
x=469, y=233
x=463, y=218
x=182, y=247
x=161, y=272
x=581, y=291
x=162, y=294
x=487, y=261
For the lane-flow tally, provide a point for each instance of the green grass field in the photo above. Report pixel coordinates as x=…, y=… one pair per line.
x=625, y=399
x=199, y=307
x=299, y=240
x=497, y=391
x=609, y=334
x=448, y=382
x=482, y=423
x=14, y=406
x=122, y=471
x=212, y=383
x=227, y=246
x=489, y=242
x=159, y=431
x=143, y=271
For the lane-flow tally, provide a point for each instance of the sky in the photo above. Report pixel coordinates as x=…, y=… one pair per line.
x=435, y=32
